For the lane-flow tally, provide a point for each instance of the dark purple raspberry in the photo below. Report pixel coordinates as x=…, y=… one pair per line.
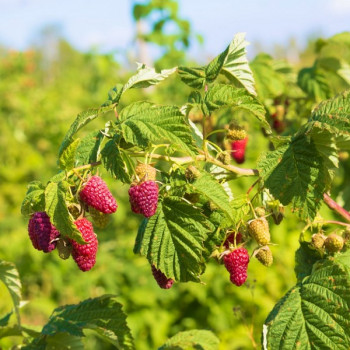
x=236, y=263
x=85, y=254
x=42, y=233
x=144, y=198
x=161, y=279
x=97, y=195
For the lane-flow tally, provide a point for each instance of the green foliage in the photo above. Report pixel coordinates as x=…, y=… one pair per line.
x=195, y=339
x=314, y=313
x=173, y=240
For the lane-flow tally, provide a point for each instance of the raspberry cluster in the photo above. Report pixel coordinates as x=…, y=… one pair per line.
x=42, y=233
x=144, y=198
x=97, y=195
x=236, y=263
x=161, y=279
x=85, y=254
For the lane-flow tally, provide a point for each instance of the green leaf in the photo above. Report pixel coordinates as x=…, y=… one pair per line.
x=296, y=174
x=194, y=339
x=56, y=209
x=233, y=63
x=112, y=160
x=221, y=95
x=139, y=237
x=34, y=200
x=207, y=186
x=5, y=320
x=314, y=82
x=314, y=314
x=64, y=341
x=88, y=149
x=114, y=95
x=147, y=76
x=173, y=239
x=193, y=77
x=103, y=314
x=81, y=120
x=67, y=158
x=143, y=123
x=10, y=331
x=240, y=208
x=10, y=277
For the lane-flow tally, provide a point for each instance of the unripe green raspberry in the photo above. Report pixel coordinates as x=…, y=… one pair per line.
x=236, y=132
x=264, y=255
x=192, y=173
x=334, y=243
x=225, y=157
x=99, y=219
x=317, y=240
x=145, y=172
x=259, y=230
x=260, y=211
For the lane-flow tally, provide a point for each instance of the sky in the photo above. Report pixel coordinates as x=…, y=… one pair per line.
x=108, y=24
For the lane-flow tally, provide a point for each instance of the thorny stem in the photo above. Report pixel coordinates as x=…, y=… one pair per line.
x=336, y=207
x=325, y=222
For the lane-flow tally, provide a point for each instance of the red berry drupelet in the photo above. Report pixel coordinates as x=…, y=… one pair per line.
x=238, y=150
x=144, y=198
x=42, y=233
x=85, y=254
x=97, y=195
x=236, y=263
x=162, y=280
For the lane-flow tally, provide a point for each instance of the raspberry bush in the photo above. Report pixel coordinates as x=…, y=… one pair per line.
x=178, y=171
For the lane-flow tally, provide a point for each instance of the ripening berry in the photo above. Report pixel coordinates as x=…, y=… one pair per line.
x=264, y=255
x=99, y=219
x=334, y=243
x=317, y=240
x=97, y=195
x=42, y=233
x=238, y=150
x=236, y=263
x=259, y=230
x=260, y=211
x=85, y=254
x=144, y=198
x=161, y=279
x=145, y=172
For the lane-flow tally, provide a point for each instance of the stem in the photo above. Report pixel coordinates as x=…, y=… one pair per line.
x=83, y=167
x=332, y=222
x=336, y=207
x=216, y=131
x=252, y=186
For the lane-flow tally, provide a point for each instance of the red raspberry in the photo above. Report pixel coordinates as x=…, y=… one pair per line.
x=144, y=198
x=97, y=195
x=238, y=150
x=85, y=254
x=42, y=232
x=236, y=263
x=161, y=279
x=231, y=239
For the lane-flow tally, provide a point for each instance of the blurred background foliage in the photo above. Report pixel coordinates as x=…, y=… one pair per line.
x=42, y=91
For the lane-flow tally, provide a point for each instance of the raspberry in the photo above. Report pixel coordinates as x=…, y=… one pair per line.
x=238, y=150
x=317, y=240
x=192, y=173
x=334, y=243
x=259, y=230
x=144, y=198
x=42, y=232
x=97, y=195
x=236, y=263
x=279, y=126
x=264, y=255
x=99, y=219
x=85, y=254
x=260, y=211
x=145, y=172
x=231, y=239
x=162, y=280
x=225, y=157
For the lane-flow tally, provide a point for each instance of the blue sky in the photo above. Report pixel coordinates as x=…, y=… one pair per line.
x=108, y=24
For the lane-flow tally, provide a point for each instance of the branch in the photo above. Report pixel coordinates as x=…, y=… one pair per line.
x=336, y=207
